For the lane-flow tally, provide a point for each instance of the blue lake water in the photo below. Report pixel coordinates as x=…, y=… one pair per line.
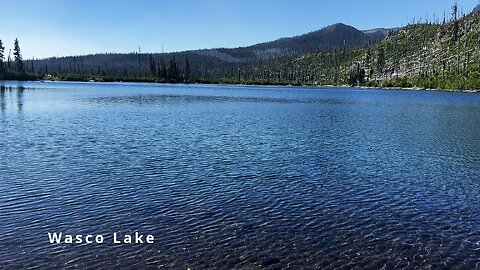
x=236, y=177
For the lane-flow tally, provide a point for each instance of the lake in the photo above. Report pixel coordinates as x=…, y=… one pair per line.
x=238, y=177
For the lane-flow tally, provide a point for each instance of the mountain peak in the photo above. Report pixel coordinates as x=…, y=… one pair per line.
x=338, y=26
x=335, y=36
x=476, y=9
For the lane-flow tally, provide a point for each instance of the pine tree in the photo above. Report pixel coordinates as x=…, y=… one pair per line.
x=187, y=70
x=335, y=59
x=2, y=56
x=456, y=28
x=139, y=61
x=368, y=64
x=380, y=60
x=18, y=57
x=395, y=58
x=153, y=66
x=478, y=38
x=163, y=71
x=173, y=70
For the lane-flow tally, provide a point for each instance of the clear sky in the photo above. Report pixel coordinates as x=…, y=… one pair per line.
x=71, y=27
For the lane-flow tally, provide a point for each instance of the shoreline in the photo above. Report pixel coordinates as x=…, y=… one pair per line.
x=255, y=84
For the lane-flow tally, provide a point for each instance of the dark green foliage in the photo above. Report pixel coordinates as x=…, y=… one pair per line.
x=353, y=77
x=213, y=64
x=153, y=66
x=20, y=76
x=380, y=60
x=18, y=57
x=187, y=70
x=173, y=72
x=2, y=56
x=163, y=71
x=18, y=72
x=423, y=55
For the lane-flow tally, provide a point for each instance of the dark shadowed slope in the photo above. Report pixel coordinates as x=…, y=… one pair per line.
x=332, y=37
x=211, y=61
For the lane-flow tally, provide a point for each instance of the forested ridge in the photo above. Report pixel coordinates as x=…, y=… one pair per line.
x=437, y=55
x=429, y=54
x=208, y=65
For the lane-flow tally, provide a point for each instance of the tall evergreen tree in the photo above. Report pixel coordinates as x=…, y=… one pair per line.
x=18, y=57
x=153, y=66
x=163, y=71
x=173, y=70
x=187, y=70
x=380, y=60
x=368, y=62
x=456, y=36
x=2, y=56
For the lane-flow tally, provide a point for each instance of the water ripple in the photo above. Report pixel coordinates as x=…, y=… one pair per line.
x=239, y=177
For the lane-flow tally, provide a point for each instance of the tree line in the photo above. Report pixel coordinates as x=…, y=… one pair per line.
x=181, y=67
x=425, y=54
x=12, y=68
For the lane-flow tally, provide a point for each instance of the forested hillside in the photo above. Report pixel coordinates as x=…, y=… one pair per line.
x=204, y=65
x=426, y=55
x=440, y=55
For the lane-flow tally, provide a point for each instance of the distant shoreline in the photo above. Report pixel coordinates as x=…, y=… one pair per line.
x=257, y=84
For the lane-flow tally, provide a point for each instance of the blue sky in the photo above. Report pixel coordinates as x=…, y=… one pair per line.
x=71, y=27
